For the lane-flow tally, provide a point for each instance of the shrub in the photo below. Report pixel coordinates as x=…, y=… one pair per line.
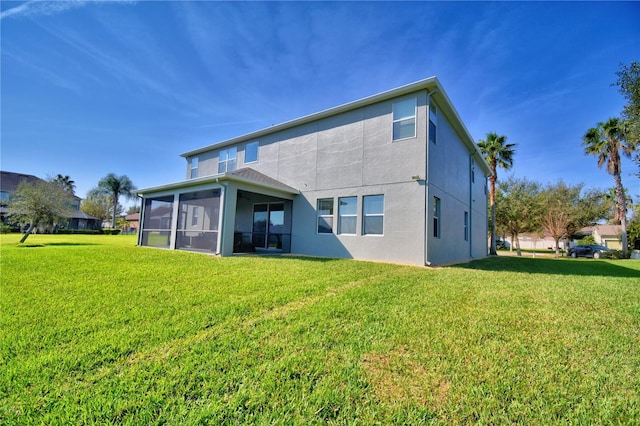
x=616, y=254
x=110, y=231
x=5, y=229
x=589, y=239
x=77, y=231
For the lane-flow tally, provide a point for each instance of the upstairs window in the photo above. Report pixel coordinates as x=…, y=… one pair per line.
x=372, y=214
x=433, y=121
x=227, y=159
x=404, y=119
x=193, y=167
x=251, y=152
x=325, y=216
x=473, y=171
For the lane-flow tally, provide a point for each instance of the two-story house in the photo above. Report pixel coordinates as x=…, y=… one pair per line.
x=76, y=218
x=392, y=177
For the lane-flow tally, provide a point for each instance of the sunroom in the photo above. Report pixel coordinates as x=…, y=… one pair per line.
x=234, y=212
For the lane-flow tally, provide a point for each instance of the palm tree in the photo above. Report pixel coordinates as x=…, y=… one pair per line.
x=65, y=183
x=115, y=186
x=611, y=196
x=606, y=141
x=498, y=153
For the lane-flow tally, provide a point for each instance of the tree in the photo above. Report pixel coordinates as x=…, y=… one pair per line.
x=97, y=205
x=39, y=203
x=498, y=153
x=115, y=186
x=64, y=182
x=616, y=212
x=629, y=86
x=133, y=209
x=518, y=208
x=566, y=210
x=606, y=141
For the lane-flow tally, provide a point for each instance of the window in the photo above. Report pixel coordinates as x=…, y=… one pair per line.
x=466, y=226
x=193, y=167
x=227, y=160
x=436, y=217
x=251, y=152
x=473, y=171
x=194, y=216
x=404, y=119
x=347, y=215
x=325, y=216
x=433, y=120
x=372, y=214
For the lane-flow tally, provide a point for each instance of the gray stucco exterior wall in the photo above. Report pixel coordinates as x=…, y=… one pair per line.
x=351, y=153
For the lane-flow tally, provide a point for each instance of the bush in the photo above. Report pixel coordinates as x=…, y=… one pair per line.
x=110, y=231
x=589, y=239
x=5, y=229
x=615, y=254
x=77, y=231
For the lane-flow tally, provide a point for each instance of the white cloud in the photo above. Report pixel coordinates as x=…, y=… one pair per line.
x=39, y=8
x=34, y=8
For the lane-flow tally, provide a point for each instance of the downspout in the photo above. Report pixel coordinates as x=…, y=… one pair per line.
x=471, y=182
x=140, y=222
x=222, y=221
x=426, y=183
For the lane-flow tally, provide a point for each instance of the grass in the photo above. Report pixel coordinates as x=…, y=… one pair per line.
x=96, y=330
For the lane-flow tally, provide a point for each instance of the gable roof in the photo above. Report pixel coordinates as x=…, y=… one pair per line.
x=431, y=84
x=608, y=230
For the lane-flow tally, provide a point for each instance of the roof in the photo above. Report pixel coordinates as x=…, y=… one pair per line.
x=9, y=181
x=431, y=84
x=132, y=217
x=608, y=230
x=79, y=214
x=244, y=175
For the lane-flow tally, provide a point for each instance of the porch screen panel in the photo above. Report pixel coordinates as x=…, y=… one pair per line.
x=157, y=220
x=198, y=222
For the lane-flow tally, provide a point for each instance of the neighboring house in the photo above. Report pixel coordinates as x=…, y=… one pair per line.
x=392, y=177
x=9, y=182
x=608, y=235
x=133, y=222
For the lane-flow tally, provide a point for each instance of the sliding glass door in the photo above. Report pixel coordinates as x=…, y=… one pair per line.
x=268, y=225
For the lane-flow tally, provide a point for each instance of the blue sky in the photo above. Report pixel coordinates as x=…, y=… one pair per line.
x=89, y=88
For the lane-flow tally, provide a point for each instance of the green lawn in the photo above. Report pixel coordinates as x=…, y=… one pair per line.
x=96, y=330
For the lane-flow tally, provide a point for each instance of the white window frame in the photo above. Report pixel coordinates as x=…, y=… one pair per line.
x=229, y=159
x=433, y=123
x=437, y=211
x=466, y=226
x=323, y=216
x=194, y=216
x=400, y=120
x=193, y=167
x=246, y=148
x=342, y=215
x=366, y=215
